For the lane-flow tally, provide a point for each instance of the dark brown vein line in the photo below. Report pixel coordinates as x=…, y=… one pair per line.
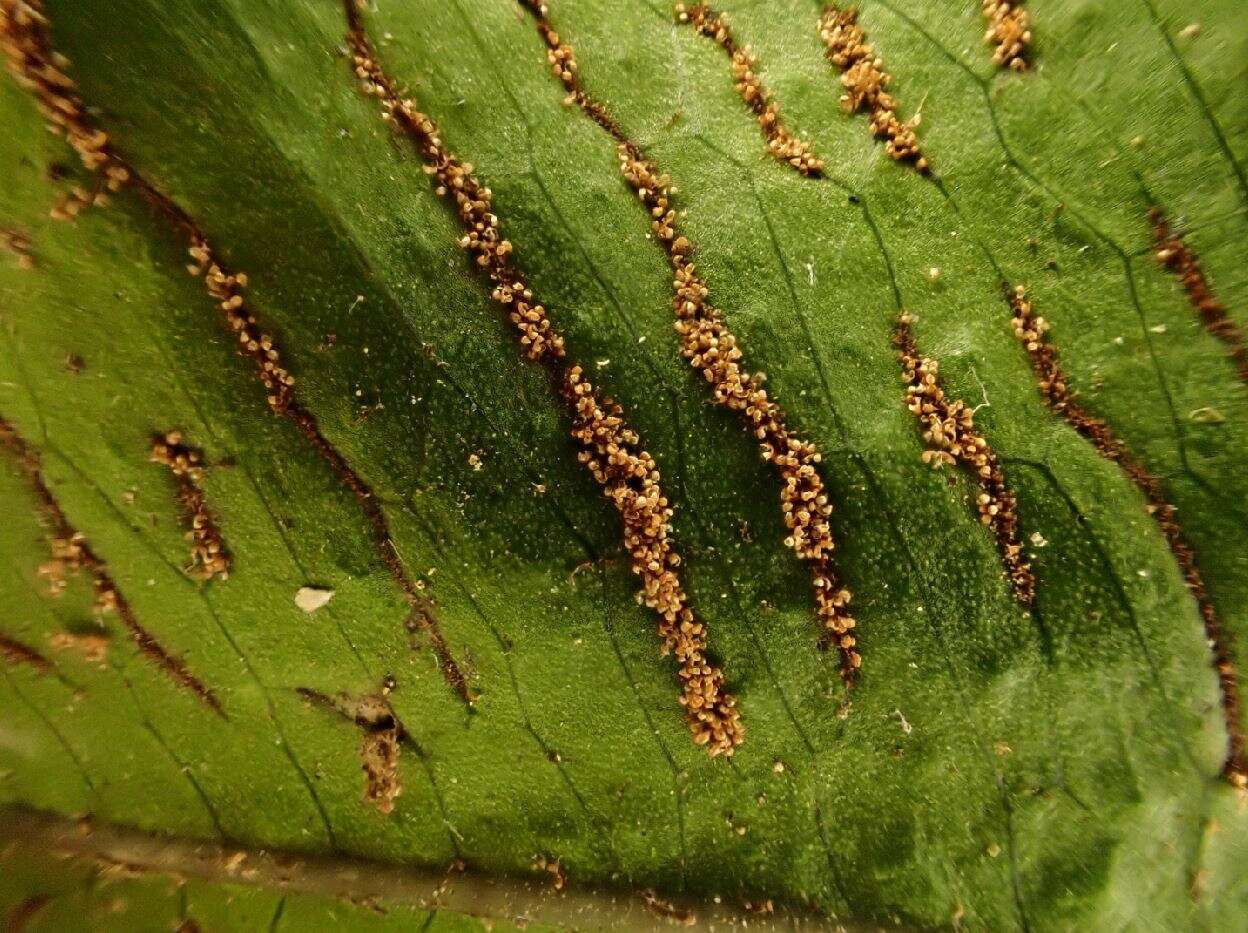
x=610, y=449
x=209, y=557
x=864, y=79
x=26, y=38
x=71, y=551
x=949, y=430
x=1173, y=253
x=15, y=652
x=1009, y=33
x=782, y=144
x=713, y=350
x=1032, y=331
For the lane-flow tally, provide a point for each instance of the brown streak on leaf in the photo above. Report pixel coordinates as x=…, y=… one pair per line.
x=949, y=430
x=108, y=598
x=379, y=747
x=38, y=68
x=1174, y=254
x=209, y=557
x=610, y=449
x=1032, y=331
x=14, y=652
x=864, y=79
x=24, y=31
x=712, y=350
x=782, y=144
x=459, y=888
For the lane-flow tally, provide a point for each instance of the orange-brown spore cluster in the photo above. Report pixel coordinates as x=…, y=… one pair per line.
x=1031, y=330
x=712, y=350
x=563, y=64
x=227, y=289
x=209, y=557
x=1174, y=254
x=865, y=82
x=1009, y=33
x=780, y=142
x=40, y=69
x=949, y=430
x=65, y=560
x=609, y=448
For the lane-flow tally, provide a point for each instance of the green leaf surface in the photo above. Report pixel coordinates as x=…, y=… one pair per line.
x=993, y=766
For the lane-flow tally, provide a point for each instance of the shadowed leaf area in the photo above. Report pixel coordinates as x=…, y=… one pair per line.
x=382, y=395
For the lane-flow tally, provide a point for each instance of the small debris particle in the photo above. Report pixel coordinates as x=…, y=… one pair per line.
x=1190, y=31
x=778, y=767
x=905, y=723
x=312, y=598
x=1207, y=416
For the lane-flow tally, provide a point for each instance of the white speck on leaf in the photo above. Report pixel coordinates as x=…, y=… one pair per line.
x=312, y=598
x=1207, y=416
